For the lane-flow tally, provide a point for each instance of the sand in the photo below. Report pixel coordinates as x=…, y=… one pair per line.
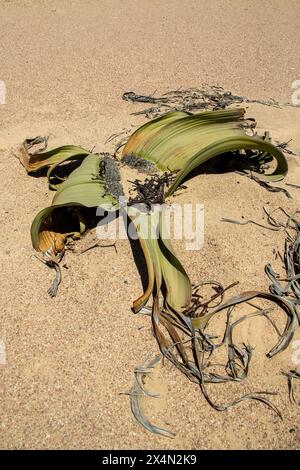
x=69, y=359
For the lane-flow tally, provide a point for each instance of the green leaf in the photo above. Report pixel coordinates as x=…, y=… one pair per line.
x=228, y=144
x=50, y=159
x=84, y=188
x=182, y=142
x=179, y=289
x=162, y=263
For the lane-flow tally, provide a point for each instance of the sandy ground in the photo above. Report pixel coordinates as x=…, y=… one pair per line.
x=66, y=65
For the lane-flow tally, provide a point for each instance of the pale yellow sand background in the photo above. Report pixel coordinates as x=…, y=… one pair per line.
x=66, y=65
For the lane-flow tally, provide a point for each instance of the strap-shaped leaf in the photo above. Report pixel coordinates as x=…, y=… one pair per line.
x=162, y=263
x=228, y=144
x=52, y=158
x=178, y=285
x=183, y=142
x=84, y=188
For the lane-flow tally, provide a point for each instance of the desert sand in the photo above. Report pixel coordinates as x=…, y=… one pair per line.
x=69, y=360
